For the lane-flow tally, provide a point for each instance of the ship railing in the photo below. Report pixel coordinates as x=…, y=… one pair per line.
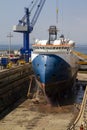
x=49, y=49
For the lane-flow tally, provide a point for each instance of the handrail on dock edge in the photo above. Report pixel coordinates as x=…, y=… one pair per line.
x=72, y=127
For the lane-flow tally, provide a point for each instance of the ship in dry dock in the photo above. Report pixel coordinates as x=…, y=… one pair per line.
x=54, y=64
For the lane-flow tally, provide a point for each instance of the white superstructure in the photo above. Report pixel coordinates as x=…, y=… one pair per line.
x=62, y=48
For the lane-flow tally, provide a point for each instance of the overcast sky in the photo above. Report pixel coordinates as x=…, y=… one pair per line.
x=72, y=19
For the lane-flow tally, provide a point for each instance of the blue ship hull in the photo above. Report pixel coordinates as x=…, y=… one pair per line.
x=53, y=73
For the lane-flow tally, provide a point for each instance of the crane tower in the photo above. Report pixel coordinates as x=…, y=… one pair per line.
x=26, y=26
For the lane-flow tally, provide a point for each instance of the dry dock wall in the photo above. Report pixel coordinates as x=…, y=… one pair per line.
x=14, y=84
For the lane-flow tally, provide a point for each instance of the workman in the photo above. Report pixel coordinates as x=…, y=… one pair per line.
x=81, y=127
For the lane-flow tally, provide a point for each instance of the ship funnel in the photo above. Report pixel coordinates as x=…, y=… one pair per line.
x=52, y=33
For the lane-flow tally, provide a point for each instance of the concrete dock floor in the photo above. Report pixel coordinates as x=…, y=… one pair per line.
x=40, y=116
x=29, y=116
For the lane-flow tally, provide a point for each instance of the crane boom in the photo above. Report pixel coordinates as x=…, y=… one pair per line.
x=37, y=13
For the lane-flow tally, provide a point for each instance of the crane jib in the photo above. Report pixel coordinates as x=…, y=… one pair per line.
x=37, y=13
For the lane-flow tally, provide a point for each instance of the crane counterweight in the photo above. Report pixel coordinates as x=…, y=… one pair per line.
x=19, y=28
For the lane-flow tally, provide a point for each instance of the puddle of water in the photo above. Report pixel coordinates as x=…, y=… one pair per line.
x=79, y=95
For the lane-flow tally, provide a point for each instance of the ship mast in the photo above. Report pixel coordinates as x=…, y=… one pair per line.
x=57, y=11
